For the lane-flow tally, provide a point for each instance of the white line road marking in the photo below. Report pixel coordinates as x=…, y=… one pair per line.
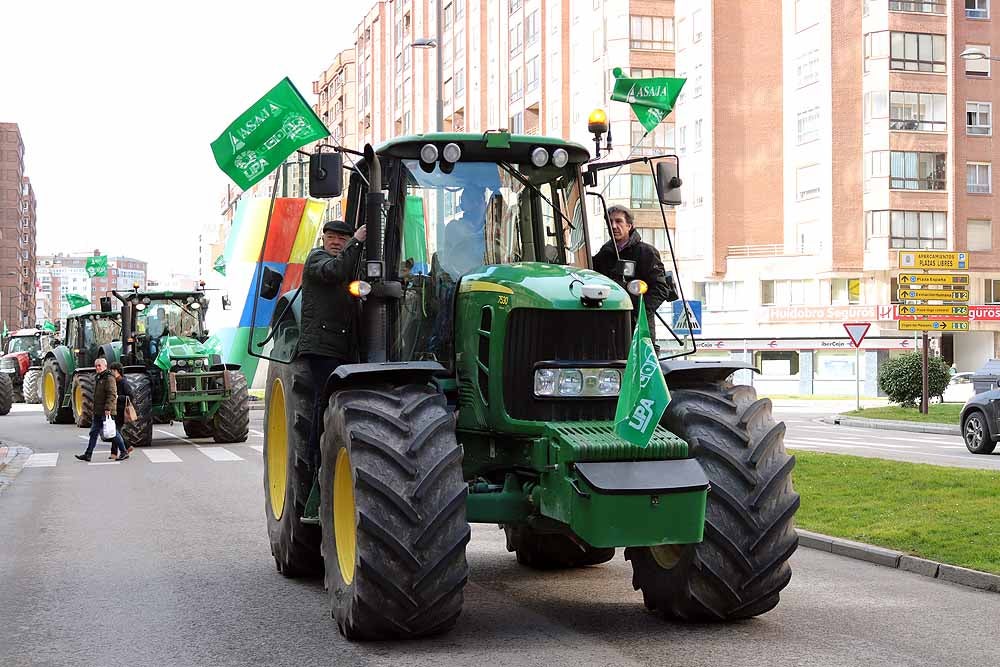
x=160, y=456
x=259, y=448
x=257, y=433
x=103, y=463
x=176, y=437
x=795, y=444
x=220, y=454
x=865, y=444
x=42, y=460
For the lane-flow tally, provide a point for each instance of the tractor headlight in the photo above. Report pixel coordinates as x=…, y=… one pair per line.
x=539, y=157
x=560, y=157
x=578, y=382
x=451, y=152
x=428, y=153
x=182, y=362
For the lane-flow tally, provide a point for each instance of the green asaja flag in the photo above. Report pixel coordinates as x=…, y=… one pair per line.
x=220, y=264
x=97, y=266
x=644, y=394
x=77, y=301
x=257, y=142
x=48, y=326
x=4, y=332
x=652, y=99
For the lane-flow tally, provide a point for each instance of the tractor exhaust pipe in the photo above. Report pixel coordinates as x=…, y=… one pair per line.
x=375, y=308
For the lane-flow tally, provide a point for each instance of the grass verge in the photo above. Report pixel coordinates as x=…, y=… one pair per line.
x=940, y=413
x=951, y=515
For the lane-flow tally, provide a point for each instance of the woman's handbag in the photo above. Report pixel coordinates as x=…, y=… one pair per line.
x=130, y=413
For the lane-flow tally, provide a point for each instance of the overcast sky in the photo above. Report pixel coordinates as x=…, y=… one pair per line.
x=118, y=102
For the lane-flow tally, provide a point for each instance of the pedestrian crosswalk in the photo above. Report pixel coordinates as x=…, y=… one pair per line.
x=186, y=454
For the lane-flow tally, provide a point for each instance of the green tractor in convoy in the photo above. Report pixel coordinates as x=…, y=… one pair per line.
x=67, y=369
x=488, y=395
x=174, y=374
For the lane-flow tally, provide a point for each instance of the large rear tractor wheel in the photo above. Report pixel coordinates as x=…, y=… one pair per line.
x=288, y=473
x=30, y=386
x=6, y=393
x=740, y=567
x=392, y=507
x=232, y=420
x=140, y=432
x=197, y=428
x=83, y=399
x=549, y=551
x=54, y=387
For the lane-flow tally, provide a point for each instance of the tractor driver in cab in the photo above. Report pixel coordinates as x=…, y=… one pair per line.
x=329, y=312
x=156, y=328
x=643, y=258
x=465, y=237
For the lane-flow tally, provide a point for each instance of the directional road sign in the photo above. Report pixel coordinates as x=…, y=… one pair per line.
x=933, y=295
x=907, y=279
x=953, y=311
x=857, y=331
x=933, y=325
x=934, y=260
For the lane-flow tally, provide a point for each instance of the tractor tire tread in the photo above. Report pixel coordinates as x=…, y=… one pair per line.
x=198, y=428
x=741, y=566
x=140, y=432
x=29, y=386
x=232, y=419
x=411, y=568
x=6, y=393
x=58, y=414
x=85, y=416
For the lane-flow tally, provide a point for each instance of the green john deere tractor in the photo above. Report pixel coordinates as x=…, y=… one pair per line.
x=493, y=359
x=174, y=374
x=67, y=374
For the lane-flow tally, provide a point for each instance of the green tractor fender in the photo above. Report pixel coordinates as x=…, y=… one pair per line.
x=63, y=358
x=679, y=372
x=396, y=373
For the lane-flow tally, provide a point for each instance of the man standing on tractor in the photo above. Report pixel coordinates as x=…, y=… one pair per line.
x=329, y=312
x=645, y=262
x=105, y=407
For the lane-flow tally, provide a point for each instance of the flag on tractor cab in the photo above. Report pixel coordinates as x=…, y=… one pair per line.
x=48, y=326
x=257, y=142
x=652, y=98
x=77, y=301
x=96, y=266
x=220, y=264
x=4, y=332
x=644, y=394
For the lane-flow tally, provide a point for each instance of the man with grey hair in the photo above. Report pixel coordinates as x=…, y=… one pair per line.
x=643, y=257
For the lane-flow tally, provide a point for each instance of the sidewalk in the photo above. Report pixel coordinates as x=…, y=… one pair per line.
x=893, y=425
x=12, y=459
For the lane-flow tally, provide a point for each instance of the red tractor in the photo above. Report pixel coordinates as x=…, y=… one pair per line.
x=22, y=363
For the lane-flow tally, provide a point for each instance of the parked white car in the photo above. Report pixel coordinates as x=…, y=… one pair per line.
x=960, y=389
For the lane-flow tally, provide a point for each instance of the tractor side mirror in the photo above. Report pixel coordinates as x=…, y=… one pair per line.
x=270, y=283
x=625, y=268
x=668, y=183
x=226, y=303
x=326, y=175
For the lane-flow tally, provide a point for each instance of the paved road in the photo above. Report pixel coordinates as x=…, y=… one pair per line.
x=163, y=560
x=806, y=432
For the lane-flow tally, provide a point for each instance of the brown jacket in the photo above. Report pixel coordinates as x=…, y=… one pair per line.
x=105, y=393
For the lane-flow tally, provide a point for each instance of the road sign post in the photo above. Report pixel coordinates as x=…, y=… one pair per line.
x=857, y=332
x=924, y=391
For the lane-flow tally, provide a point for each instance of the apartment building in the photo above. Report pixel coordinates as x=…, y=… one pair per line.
x=62, y=274
x=17, y=232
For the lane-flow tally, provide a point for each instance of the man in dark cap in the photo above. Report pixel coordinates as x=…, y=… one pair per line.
x=329, y=312
x=646, y=262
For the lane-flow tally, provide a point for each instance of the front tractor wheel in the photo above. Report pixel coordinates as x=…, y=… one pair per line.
x=392, y=508
x=83, y=399
x=740, y=567
x=197, y=428
x=288, y=471
x=6, y=393
x=29, y=388
x=54, y=383
x=232, y=420
x=140, y=432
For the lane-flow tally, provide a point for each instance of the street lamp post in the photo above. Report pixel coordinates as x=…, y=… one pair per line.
x=976, y=54
x=435, y=43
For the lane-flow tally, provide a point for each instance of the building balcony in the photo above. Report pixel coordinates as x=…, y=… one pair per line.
x=758, y=250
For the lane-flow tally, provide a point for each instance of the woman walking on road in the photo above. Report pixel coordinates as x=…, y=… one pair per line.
x=117, y=370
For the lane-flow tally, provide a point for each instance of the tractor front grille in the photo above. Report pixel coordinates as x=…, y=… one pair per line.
x=535, y=335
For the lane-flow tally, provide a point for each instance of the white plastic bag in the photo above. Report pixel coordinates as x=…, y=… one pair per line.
x=108, y=431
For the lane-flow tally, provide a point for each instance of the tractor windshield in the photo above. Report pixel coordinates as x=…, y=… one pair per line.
x=169, y=317
x=29, y=344
x=483, y=213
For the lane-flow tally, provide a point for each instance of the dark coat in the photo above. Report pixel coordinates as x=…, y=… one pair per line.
x=329, y=313
x=105, y=394
x=648, y=267
x=123, y=392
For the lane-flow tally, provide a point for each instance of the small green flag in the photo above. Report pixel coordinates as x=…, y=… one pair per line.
x=644, y=394
x=265, y=134
x=220, y=264
x=48, y=326
x=77, y=301
x=4, y=332
x=97, y=266
x=652, y=99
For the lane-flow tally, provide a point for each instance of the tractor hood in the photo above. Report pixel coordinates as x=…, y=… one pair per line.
x=182, y=347
x=538, y=285
x=15, y=362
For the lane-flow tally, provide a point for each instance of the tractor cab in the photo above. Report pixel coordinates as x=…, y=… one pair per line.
x=158, y=320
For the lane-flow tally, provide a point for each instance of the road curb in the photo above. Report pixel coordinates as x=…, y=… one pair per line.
x=983, y=581
x=12, y=460
x=893, y=425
